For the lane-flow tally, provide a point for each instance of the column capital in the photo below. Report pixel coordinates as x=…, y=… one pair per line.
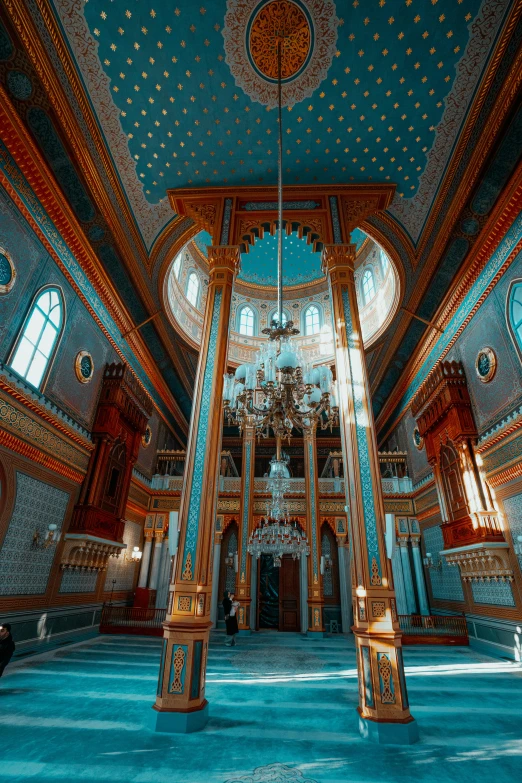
x=148, y=534
x=337, y=257
x=402, y=541
x=224, y=258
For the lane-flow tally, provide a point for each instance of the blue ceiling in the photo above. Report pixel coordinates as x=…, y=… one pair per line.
x=300, y=263
x=373, y=117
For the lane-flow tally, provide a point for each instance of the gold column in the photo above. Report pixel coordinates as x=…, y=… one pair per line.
x=243, y=587
x=180, y=703
x=384, y=714
x=313, y=533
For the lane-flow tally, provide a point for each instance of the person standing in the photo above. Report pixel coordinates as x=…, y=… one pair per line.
x=7, y=646
x=230, y=608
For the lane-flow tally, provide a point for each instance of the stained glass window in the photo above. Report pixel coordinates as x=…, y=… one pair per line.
x=37, y=341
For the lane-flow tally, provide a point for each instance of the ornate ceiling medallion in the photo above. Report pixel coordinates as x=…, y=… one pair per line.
x=309, y=29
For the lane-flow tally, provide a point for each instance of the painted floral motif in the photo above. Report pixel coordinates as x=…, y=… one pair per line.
x=252, y=64
x=280, y=17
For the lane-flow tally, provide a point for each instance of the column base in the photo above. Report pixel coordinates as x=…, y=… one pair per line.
x=244, y=632
x=316, y=634
x=389, y=733
x=179, y=722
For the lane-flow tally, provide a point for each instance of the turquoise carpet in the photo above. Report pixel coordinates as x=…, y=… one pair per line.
x=282, y=709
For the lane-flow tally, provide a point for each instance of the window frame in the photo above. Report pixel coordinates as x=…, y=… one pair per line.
x=177, y=261
x=320, y=317
x=21, y=334
x=192, y=272
x=512, y=329
x=368, y=271
x=240, y=311
x=273, y=313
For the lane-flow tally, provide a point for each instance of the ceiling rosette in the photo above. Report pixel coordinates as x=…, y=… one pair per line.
x=251, y=31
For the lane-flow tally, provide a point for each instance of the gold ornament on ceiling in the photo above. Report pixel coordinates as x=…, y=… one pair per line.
x=251, y=32
x=278, y=20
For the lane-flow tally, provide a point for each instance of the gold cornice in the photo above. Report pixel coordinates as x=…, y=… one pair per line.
x=35, y=170
x=45, y=415
x=37, y=53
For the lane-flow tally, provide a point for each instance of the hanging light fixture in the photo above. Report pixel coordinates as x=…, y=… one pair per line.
x=281, y=390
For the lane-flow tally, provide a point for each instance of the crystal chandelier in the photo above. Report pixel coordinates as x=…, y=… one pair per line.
x=280, y=391
x=278, y=537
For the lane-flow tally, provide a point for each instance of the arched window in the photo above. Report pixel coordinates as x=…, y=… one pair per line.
x=275, y=315
x=312, y=320
x=193, y=287
x=246, y=321
x=368, y=286
x=38, y=338
x=177, y=266
x=515, y=313
x=385, y=262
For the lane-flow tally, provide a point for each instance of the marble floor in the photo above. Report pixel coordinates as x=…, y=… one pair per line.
x=282, y=709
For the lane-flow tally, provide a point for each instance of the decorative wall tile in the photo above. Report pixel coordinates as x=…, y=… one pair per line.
x=119, y=568
x=78, y=581
x=495, y=593
x=445, y=583
x=513, y=517
x=25, y=571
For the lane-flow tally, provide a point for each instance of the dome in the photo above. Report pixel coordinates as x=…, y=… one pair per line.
x=306, y=299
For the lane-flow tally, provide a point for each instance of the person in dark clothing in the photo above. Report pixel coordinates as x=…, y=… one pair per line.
x=230, y=608
x=7, y=646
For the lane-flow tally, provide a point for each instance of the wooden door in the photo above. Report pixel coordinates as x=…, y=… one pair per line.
x=289, y=615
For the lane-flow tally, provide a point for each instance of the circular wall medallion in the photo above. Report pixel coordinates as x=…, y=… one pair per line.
x=7, y=272
x=19, y=85
x=418, y=440
x=486, y=364
x=146, y=437
x=84, y=367
x=309, y=32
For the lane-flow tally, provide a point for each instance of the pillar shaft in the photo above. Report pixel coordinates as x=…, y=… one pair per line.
x=156, y=562
x=313, y=533
x=216, y=560
x=411, y=603
x=419, y=576
x=180, y=702
x=145, y=561
x=246, y=499
x=303, y=584
x=383, y=702
x=398, y=581
x=343, y=551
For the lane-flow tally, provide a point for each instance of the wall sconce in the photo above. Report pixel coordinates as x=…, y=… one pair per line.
x=44, y=541
x=430, y=564
x=518, y=546
x=135, y=556
x=231, y=561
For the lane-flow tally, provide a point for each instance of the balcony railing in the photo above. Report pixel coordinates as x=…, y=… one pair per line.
x=327, y=486
x=131, y=620
x=433, y=629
